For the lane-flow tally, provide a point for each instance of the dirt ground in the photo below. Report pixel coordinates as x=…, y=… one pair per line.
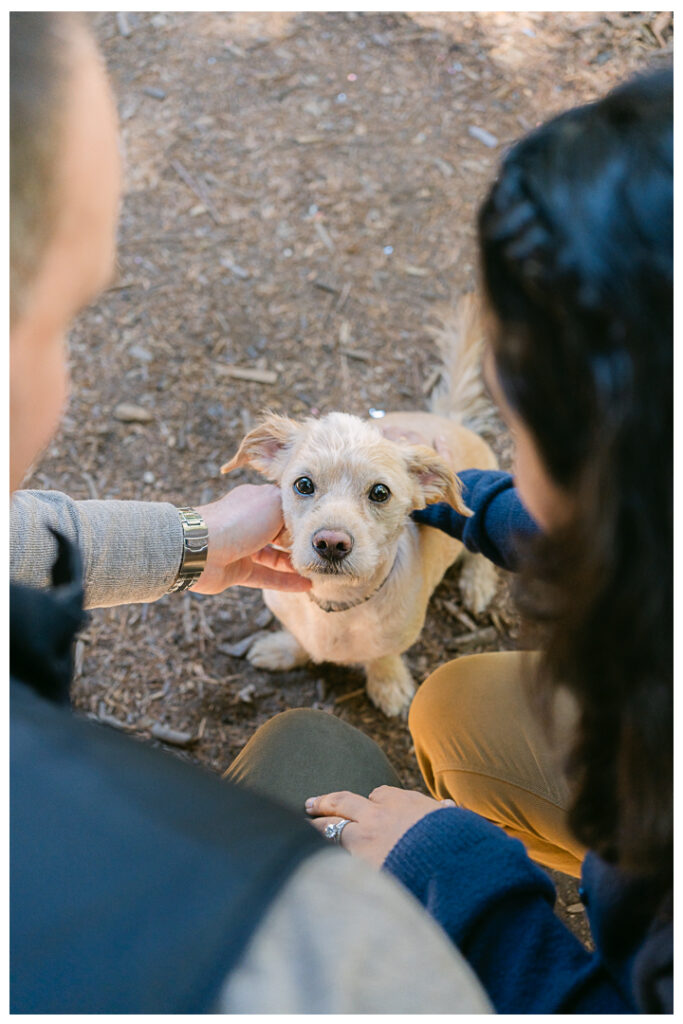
x=300, y=197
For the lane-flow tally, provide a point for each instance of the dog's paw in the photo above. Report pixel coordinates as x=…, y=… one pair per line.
x=277, y=652
x=478, y=583
x=390, y=685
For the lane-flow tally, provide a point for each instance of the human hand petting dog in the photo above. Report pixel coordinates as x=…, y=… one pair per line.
x=241, y=525
x=375, y=824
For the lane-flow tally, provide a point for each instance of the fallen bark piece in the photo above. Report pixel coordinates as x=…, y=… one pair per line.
x=247, y=373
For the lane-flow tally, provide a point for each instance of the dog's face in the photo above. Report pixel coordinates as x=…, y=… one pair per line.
x=347, y=491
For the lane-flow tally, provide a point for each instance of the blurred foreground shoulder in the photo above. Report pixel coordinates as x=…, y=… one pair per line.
x=344, y=938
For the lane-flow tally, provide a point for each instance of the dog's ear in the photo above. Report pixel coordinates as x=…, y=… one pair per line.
x=265, y=447
x=435, y=478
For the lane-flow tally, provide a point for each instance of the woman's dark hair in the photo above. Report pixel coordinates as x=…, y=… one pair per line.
x=577, y=249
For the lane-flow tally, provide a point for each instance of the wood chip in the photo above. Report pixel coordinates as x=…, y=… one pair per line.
x=416, y=271
x=483, y=136
x=478, y=636
x=78, y=658
x=247, y=373
x=344, y=333
x=457, y=613
x=123, y=24
x=235, y=268
x=324, y=235
x=114, y=723
x=172, y=736
x=446, y=169
x=90, y=483
x=120, y=285
x=497, y=622
x=308, y=140
x=358, y=353
x=430, y=383
x=346, y=291
x=126, y=412
x=188, y=626
x=661, y=22
x=575, y=908
x=247, y=693
x=235, y=50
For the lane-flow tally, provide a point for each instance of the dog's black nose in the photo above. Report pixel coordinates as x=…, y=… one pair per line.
x=332, y=545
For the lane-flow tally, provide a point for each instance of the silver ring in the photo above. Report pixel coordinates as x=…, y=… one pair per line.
x=334, y=830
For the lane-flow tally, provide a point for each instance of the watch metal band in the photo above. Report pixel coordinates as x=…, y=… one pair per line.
x=195, y=550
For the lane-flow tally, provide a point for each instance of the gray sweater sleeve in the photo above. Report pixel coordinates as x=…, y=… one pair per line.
x=131, y=549
x=345, y=938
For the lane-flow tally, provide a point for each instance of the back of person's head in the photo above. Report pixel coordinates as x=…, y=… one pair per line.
x=577, y=249
x=39, y=71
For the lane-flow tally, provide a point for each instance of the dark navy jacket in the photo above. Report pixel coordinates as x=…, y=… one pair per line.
x=494, y=902
x=137, y=880
x=500, y=524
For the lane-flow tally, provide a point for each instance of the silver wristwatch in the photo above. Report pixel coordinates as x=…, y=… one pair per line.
x=195, y=550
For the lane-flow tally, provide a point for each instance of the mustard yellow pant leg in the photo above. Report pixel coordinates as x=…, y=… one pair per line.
x=478, y=742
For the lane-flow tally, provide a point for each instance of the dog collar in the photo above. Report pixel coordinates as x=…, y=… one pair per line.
x=344, y=606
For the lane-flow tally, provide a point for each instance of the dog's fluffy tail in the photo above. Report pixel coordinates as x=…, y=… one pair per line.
x=459, y=392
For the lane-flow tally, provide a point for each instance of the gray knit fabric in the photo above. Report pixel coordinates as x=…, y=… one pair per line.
x=342, y=937
x=131, y=549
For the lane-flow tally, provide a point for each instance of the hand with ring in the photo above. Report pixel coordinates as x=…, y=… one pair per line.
x=334, y=830
x=370, y=827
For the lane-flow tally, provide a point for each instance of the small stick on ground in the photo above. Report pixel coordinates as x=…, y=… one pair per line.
x=200, y=192
x=187, y=619
x=345, y=292
x=349, y=696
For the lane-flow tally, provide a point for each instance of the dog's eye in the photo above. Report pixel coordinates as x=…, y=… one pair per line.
x=379, y=492
x=304, y=485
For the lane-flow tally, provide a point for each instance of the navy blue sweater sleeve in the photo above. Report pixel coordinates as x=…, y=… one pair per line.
x=497, y=906
x=499, y=522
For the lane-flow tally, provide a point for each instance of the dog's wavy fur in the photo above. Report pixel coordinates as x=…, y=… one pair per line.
x=345, y=456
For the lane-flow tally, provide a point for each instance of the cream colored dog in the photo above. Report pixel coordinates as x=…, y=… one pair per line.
x=347, y=494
